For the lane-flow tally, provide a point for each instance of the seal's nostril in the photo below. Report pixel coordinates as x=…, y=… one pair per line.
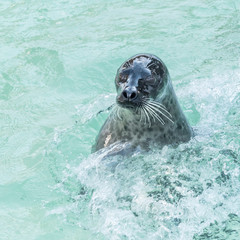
x=133, y=95
x=129, y=94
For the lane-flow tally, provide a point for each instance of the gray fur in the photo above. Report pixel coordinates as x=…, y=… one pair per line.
x=127, y=124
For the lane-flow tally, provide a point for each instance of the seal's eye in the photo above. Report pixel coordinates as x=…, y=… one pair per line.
x=141, y=82
x=123, y=78
x=151, y=80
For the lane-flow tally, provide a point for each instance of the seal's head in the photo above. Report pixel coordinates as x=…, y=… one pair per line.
x=139, y=78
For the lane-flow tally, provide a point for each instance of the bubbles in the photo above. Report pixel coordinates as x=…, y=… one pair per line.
x=158, y=195
x=188, y=192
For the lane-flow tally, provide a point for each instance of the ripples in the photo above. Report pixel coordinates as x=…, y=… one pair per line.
x=57, y=67
x=167, y=194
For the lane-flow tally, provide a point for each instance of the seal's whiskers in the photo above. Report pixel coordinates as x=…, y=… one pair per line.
x=144, y=114
x=154, y=107
x=159, y=105
x=116, y=113
x=157, y=110
x=147, y=115
x=155, y=115
x=151, y=113
x=169, y=118
x=140, y=110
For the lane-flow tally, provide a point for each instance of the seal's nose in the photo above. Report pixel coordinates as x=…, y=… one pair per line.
x=129, y=93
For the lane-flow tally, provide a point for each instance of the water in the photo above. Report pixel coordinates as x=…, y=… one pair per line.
x=57, y=65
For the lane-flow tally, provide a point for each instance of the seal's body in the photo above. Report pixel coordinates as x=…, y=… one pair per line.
x=147, y=110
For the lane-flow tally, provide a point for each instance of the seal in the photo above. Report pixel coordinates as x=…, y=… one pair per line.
x=147, y=110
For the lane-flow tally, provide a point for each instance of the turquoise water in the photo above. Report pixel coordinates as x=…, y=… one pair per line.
x=57, y=66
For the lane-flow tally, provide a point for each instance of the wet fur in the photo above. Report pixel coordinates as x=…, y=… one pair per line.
x=128, y=126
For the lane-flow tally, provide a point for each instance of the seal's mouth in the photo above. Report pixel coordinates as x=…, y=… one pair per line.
x=126, y=105
x=131, y=105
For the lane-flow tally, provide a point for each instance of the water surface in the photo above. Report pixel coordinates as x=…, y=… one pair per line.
x=57, y=66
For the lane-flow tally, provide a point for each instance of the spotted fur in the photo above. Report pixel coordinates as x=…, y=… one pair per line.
x=127, y=126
